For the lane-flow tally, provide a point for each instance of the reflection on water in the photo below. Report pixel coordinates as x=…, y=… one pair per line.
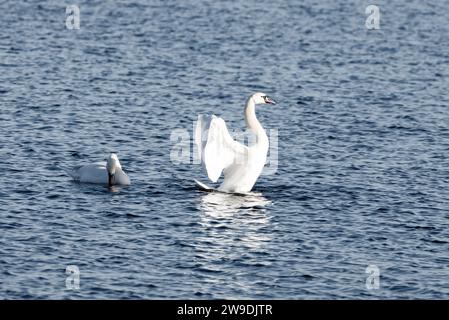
x=114, y=189
x=222, y=205
x=233, y=226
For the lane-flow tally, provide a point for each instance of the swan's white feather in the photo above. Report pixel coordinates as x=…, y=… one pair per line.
x=218, y=151
x=202, y=186
x=97, y=173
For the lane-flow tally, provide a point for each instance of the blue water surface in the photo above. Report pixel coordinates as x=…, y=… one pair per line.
x=362, y=176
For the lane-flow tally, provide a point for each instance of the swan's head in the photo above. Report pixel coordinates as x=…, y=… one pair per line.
x=112, y=165
x=262, y=98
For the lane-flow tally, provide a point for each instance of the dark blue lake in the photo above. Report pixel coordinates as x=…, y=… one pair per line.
x=362, y=171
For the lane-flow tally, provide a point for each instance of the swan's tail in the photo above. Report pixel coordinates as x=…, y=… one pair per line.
x=73, y=173
x=203, y=187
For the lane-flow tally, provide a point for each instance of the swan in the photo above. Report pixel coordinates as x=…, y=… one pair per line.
x=219, y=152
x=108, y=172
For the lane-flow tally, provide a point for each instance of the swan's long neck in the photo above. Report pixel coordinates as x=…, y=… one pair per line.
x=253, y=124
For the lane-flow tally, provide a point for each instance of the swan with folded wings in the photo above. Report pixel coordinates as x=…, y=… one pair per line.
x=108, y=172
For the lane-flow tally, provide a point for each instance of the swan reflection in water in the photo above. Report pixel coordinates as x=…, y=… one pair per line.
x=235, y=237
x=234, y=223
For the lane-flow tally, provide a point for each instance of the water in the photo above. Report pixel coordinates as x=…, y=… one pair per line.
x=362, y=178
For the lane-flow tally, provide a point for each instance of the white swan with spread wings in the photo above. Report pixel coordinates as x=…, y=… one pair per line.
x=219, y=152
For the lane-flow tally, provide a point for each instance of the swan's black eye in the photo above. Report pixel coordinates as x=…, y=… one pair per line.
x=264, y=98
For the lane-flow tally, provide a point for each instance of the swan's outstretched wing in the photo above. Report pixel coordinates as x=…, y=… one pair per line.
x=216, y=148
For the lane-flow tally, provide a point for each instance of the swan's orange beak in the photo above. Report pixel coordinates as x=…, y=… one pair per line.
x=269, y=100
